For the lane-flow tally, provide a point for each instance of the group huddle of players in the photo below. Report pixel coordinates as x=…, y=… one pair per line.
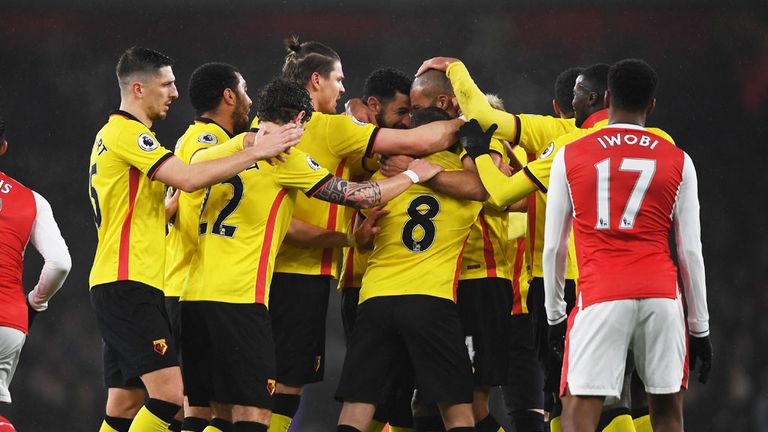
x=435, y=201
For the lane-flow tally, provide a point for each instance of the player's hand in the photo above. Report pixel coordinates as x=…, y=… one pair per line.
x=171, y=202
x=31, y=314
x=273, y=145
x=391, y=166
x=437, y=63
x=474, y=139
x=700, y=348
x=506, y=169
x=367, y=230
x=556, y=339
x=359, y=110
x=424, y=169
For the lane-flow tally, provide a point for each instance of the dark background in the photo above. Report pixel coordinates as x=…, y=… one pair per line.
x=57, y=85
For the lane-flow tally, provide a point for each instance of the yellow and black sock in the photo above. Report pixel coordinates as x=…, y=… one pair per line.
x=155, y=416
x=432, y=423
x=285, y=408
x=642, y=419
x=527, y=420
x=218, y=425
x=115, y=424
x=193, y=424
x=488, y=424
x=616, y=420
x=175, y=426
x=375, y=426
x=248, y=426
x=554, y=424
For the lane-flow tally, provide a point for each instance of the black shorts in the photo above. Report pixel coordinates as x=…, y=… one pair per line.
x=428, y=329
x=135, y=331
x=298, y=305
x=173, y=310
x=485, y=307
x=552, y=367
x=349, y=299
x=525, y=380
x=228, y=353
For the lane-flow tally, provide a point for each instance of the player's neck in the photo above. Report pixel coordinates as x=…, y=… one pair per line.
x=624, y=117
x=136, y=111
x=222, y=119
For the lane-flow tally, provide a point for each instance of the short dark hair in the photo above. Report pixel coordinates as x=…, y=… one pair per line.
x=305, y=58
x=426, y=115
x=207, y=85
x=384, y=83
x=632, y=83
x=280, y=101
x=138, y=59
x=564, y=89
x=596, y=79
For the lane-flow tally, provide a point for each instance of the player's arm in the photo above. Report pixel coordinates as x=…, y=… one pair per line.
x=373, y=193
x=47, y=239
x=255, y=147
x=557, y=231
x=459, y=184
x=305, y=235
x=420, y=141
x=471, y=99
x=690, y=258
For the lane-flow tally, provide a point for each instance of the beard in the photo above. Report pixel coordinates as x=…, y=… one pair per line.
x=240, y=122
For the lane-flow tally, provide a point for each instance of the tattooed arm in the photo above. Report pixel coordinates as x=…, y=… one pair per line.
x=369, y=194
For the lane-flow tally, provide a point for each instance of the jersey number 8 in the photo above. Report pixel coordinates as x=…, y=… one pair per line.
x=421, y=211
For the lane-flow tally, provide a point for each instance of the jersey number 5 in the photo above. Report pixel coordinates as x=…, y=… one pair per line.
x=646, y=168
x=421, y=211
x=94, y=197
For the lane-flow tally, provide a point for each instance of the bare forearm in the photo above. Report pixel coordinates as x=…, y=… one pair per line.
x=363, y=194
x=306, y=235
x=420, y=141
x=459, y=184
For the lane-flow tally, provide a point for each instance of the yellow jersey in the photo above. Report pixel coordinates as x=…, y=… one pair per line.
x=333, y=140
x=418, y=251
x=181, y=241
x=485, y=253
x=518, y=265
x=128, y=205
x=537, y=202
x=243, y=222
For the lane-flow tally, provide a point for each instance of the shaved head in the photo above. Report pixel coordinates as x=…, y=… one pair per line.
x=433, y=83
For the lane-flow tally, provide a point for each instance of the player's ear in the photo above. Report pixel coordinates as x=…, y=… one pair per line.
x=315, y=80
x=229, y=96
x=442, y=102
x=556, y=108
x=373, y=104
x=651, y=107
x=137, y=89
x=607, y=99
x=299, y=117
x=3, y=147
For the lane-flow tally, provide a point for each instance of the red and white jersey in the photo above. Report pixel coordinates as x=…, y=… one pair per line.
x=622, y=188
x=26, y=216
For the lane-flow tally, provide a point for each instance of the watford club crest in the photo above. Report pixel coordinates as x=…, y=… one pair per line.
x=271, y=385
x=160, y=346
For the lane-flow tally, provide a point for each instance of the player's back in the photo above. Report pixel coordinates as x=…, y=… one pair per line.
x=624, y=182
x=17, y=214
x=419, y=247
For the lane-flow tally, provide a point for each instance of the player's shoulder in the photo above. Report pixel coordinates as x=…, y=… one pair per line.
x=199, y=135
x=662, y=134
x=446, y=159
